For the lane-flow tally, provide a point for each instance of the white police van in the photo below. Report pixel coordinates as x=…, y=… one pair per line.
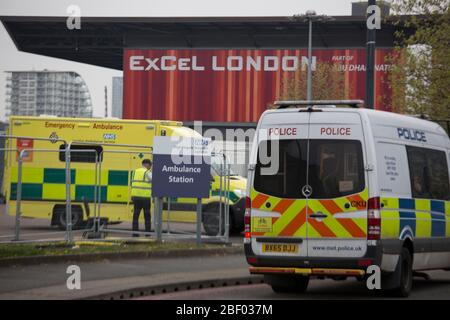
x=334, y=190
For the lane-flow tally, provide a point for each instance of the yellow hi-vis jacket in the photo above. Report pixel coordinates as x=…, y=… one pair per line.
x=140, y=185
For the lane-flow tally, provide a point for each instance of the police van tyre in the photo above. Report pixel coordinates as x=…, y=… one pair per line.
x=405, y=274
x=287, y=284
x=77, y=217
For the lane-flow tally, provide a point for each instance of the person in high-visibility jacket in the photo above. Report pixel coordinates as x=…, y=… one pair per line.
x=141, y=194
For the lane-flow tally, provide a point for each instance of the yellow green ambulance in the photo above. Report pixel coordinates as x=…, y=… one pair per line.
x=43, y=175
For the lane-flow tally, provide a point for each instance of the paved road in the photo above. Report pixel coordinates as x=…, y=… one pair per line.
x=31, y=229
x=49, y=281
x=438, y=287
x=40, y=229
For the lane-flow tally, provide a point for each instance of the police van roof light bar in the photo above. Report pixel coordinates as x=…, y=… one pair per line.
x=311, y=103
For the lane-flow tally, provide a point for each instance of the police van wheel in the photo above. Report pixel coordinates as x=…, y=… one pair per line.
x=77, y=217
x=286, y=284
x=405, y=274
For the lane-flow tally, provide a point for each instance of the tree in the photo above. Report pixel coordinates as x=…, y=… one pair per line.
x=328, y=84
x=420, y=77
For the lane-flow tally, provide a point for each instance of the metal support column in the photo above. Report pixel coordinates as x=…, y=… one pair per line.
x=69, y=236
x=19, y=195
x=370, y=64
x=158, y=218
x=309, y=83
x=199, y=221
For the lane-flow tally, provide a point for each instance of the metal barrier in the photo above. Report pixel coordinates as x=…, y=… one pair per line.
x=157, y=206
x=97, y=228
x=221, y=218
x=97, y=216
x=69, y=217
x=67, y=166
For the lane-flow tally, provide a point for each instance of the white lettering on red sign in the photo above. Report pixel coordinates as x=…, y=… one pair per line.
x=329, y=131
x=282, y=131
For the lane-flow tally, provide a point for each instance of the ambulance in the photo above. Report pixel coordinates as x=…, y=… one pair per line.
x=43, y=174
x=336, y=190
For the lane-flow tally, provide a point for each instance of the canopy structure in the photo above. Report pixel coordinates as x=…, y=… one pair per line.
x=101, y=40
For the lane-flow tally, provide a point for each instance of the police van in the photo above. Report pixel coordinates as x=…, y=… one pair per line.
x=334, y=190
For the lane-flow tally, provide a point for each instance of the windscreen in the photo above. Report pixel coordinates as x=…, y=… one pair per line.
x=335, y=168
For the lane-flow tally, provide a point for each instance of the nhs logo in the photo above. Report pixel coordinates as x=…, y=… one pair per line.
x=109, y=136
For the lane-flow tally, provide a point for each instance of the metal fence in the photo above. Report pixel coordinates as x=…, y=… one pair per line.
x=100, y=213
x=168, y=222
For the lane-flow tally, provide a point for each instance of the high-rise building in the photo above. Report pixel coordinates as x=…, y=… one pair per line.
x=58, y=93
x=117, y=97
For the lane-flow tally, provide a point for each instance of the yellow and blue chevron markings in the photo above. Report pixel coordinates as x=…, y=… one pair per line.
x=425, y=218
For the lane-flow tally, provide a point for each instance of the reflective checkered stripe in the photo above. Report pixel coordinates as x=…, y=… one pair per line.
x=233, y=197
x=422, y=218
x=48, y=184
x=346, y=216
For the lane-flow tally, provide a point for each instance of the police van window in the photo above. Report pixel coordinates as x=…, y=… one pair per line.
x=290, y=161
x=428, y=173
x=336, y=168
x=81, y=153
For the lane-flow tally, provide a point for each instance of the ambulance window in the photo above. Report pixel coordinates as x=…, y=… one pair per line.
x=428, y=173
x=336, y=168
x=281, y=168
x=81, y=153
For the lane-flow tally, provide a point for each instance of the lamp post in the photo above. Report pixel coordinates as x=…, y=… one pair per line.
x=309, y=16
x=370, y=64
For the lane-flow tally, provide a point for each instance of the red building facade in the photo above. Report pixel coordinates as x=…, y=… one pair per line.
x=233, y=85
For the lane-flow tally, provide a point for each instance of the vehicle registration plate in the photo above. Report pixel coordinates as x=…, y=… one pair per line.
x=282, y=248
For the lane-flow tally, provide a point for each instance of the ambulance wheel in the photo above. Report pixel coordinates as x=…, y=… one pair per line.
x=286, y=284
x=77, y=217
x=211, y=220
x=405, y=274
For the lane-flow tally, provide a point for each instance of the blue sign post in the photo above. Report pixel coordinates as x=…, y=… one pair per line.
x=181, y=168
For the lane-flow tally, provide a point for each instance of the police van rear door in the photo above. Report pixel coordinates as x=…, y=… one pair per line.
x=337, y=186
x=278, y=208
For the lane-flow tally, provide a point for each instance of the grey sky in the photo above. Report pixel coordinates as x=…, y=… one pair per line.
x=95, y=77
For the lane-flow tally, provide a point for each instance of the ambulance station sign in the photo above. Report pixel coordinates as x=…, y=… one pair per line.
x=181, y=167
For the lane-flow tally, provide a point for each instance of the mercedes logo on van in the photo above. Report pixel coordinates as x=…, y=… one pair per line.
x=307, y=190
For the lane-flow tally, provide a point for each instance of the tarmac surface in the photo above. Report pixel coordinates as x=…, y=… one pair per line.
x=49, y=281
x=437, y=288
x=40, y=229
